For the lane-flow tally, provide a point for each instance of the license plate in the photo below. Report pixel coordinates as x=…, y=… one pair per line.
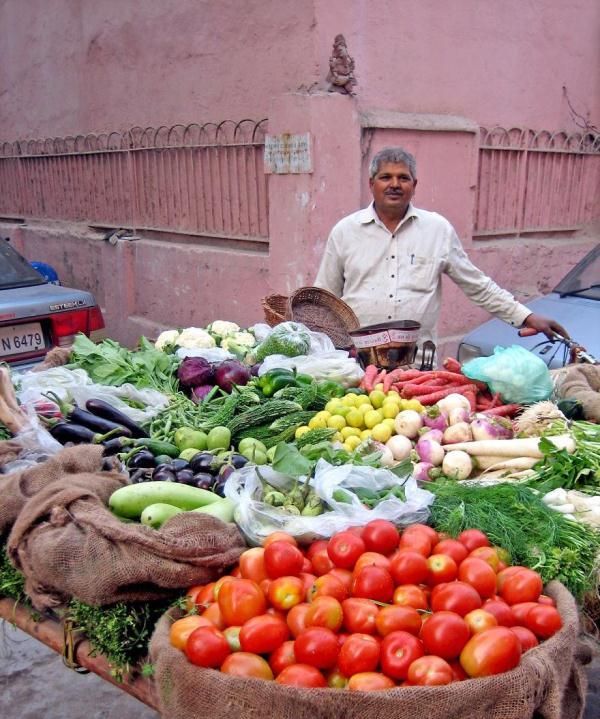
x=18, y=339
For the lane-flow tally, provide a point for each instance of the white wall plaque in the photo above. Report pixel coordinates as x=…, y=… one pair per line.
x=288, y=154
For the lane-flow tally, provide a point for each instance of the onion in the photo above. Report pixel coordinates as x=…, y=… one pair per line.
x=231, y=372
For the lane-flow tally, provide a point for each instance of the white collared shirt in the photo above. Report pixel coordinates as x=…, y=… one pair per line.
x=397, y=275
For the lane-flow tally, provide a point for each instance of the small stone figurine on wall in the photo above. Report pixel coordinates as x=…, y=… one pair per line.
x=341, y=68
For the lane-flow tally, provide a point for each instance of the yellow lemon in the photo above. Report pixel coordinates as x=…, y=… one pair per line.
x=365, y=434
x=342, y=410
x=324, y=414
x=333, y=405
x=390, y=410
x=301, y=430
x=381, y=432
x=390, y=423
x=349, y=400
x=392, y=394
x=350, y=432
x=354, y=418
x=351, y=443
x=376, y=397
x=337, y=437
x=336, y=422
x=413, y=404
x=364, y=408
x=373, y=417
x=362, y=399
x=317, y=422
x=378, y=387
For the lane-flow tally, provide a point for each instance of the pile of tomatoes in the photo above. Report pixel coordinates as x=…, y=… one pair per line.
x=369, y=609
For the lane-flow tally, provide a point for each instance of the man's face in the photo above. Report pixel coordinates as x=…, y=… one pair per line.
x=393, y=188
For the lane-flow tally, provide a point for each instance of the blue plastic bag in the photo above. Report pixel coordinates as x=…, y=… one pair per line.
x=517, y=374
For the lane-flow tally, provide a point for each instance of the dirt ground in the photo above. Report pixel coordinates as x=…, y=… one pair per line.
x=35, y=684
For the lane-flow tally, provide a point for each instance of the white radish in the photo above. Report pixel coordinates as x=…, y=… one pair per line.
x=459, y=432
x=400, y=446
x=408, y=423
x=522, y=447
x=457, y=465
x=513, y=463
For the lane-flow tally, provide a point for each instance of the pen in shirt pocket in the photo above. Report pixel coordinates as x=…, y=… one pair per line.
x=412, y=259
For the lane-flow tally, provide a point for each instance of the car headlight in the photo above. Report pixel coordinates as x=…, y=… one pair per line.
x=468, y=352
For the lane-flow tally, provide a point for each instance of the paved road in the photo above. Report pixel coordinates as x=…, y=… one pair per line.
x=35, y=684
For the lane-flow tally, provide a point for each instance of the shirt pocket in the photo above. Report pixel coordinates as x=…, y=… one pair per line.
x=420, y=273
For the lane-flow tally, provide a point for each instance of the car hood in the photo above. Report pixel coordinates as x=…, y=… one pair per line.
x=41, y=300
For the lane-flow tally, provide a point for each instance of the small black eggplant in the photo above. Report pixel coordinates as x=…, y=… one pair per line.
x=144, y=458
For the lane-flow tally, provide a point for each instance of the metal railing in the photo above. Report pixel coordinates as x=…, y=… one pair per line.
x=536, y=181
x=191, y=179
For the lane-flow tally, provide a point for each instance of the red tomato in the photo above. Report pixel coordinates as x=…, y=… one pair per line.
x=479, y=620
x=545, y=599
x=379, y=535
x=285, y=592
x=521, y=610
x=308, y=579
x=263, y=634
x=445, y=634
x=397, y=618
x=369, y=682
x=359, y=653
x=325, y=612
x=441, y=568
x=425, y=529
x=214, y=616
x=282, y=657
x=252, y=564
x=232, y=634
x=336, y=680
x=410, y=595
x=489, y=555
x=355, y=530
x=307, y=566
x=219, y=583
x=458, y=597
x=543, y=620
x=526, y=638
x=409, y=567
x=317, y=646
x=500, y=609
x=430, y=671
x=473, y=538
x=398, y=651
x=523, y=586
x=283, y=559
x=207, y=647
x=494, y=651
x=182, y=628
x=458, y=673
x=453, y=548
x=321, y=562
x=503, y=575
x=478, y=573
x=416, y=541
x=301, y=675
x=344, y=549
x=371, y=559
x=360, y=616
x=279, y=537
x=198, y=595
x=243, y=664
x=344, y=575
x=373, y=583
x=235, y=572
x=296, y=618
x=327, y=585
x=315, y=547
x=240, y=600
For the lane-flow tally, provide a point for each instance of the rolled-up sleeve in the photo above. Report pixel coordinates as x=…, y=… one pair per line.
x=331, y=270
x=480, y=288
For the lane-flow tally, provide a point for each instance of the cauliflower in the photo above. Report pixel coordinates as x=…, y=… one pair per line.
x=168, y=337
x=222, y=328
x=239, y=343
x=194, y=337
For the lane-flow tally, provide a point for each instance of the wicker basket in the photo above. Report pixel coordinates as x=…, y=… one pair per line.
x=276, y=309
x=322, y=311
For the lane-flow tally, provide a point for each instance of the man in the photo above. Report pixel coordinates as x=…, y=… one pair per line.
x=386, y=261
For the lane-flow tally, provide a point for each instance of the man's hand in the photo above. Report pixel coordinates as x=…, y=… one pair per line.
x=548, y=326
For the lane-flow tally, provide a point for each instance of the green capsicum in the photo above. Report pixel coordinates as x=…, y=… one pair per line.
x=276, y=379
x=331, y=389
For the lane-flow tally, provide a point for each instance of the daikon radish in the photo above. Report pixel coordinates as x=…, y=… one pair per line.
x=512, y=463
x=527, y=447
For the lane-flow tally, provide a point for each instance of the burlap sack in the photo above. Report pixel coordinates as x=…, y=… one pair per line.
x=9, y=451
x=68, y=544
x=18, y=487
x=582, y=382
x=57, y=357
x=550, y=683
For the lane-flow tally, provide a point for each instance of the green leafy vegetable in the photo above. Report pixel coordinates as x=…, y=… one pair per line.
x=12, y=582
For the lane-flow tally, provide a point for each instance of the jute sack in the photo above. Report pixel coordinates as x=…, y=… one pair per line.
x=550, y=683
x=68, y=544
x=18, y=487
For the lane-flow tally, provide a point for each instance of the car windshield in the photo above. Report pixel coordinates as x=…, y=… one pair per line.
x=15, y=271
x=584, y=279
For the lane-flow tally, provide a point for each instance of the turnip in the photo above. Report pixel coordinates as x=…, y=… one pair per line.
x=434, y=418
x=387, y=458
x=421, y=471
x=408, y=423
x=460, y=432
x=453, y=401
x=432, y=434
x=485, y=427
x=458, y=414
x=429, y=451
x=457, y=465
x=400, y=446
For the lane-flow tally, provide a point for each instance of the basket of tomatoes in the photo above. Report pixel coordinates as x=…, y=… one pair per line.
x=372, y=622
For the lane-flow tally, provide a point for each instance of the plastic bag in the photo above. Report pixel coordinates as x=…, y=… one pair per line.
x=256, y=519
x=517, y=374
x=210, y=354
x=336, y=365
x=319, y=341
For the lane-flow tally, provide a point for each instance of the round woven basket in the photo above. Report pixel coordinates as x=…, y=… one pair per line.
x=322, y=311
x=276, y=309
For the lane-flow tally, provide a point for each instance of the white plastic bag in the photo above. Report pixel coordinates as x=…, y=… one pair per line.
x=257, y=520
x=210, y=354
x=336, y=365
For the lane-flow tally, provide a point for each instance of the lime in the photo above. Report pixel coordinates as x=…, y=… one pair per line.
x=218, y=438
x=362, y=399
x=372, y=418
x=187, y=454
x=390, y=423
x=377, y=398
x=249, y=443
x=186, y=438
x=301, y=430
x=350, y=432
x=271, y=453
x=317, y=422
x=354, y=418
x=390, y=410
x=351, y=443
x=336, y=422
x=365, y=434
x=333, y=405
x=350, y=400
x=381, y=432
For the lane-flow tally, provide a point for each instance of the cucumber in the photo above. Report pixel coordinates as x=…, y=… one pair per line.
x=155, y=515
x=157, y=446
x=130, y=501
x=223, y=509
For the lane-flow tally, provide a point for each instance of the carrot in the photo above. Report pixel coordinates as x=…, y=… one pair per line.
x=388, y=380
x=368, y=380
x=434, y=397
x=496, y=400
x=380, y=377
x=401, y=375
x=470, y=393
x=504, y=410
x=452, y=365
x=414, y=390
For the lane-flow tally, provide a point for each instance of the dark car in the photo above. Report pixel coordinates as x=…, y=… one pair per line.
x=37, y=315
x=574, y=303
